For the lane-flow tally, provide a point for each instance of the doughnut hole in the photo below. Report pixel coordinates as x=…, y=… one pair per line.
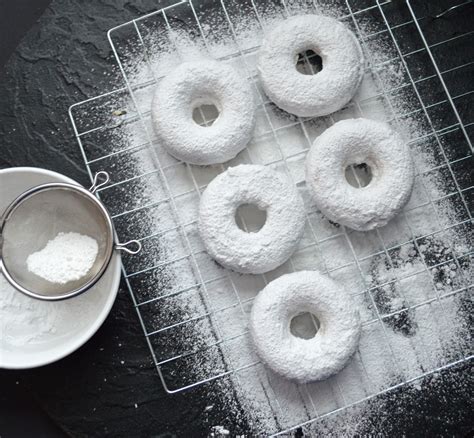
x=250, y=218
x=205, y=114
x=309, y=62
x=358, y=175
x=305, y=325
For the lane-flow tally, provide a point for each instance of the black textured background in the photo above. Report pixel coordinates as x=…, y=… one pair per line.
x=63, y=59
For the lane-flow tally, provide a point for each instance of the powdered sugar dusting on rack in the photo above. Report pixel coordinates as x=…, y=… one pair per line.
x=195, y=313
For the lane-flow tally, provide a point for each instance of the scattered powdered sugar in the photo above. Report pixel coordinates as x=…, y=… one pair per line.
x=22, y=319
x=219, y=431
x=27, y=321
x=408, y=278
x=67, y=257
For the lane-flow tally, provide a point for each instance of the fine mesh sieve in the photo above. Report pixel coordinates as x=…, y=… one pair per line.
x=38, y=216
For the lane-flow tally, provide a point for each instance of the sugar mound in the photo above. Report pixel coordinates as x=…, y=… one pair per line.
x=67, y=257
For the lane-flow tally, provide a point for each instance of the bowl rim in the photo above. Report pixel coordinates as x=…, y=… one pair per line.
x=115, y=267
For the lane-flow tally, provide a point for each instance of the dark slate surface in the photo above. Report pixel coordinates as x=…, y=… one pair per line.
x=66, y=58
x=23, y=14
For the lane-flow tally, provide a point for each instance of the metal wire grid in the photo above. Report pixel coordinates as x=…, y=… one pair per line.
x=284, y=162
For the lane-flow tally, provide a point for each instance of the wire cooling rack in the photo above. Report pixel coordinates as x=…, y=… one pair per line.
x=161, y=195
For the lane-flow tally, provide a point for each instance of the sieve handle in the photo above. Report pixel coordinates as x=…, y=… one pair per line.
x=100, y=180
x=125, y=246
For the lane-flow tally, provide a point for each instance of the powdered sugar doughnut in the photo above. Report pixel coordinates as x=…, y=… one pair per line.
x=311, y=95
x=358, y=141
x=191, y=85
x=295, y=358
x=272, y=245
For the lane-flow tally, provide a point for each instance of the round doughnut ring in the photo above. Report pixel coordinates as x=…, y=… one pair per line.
x=247, y=252
x=191, y=85
x=295, y=358
x=352, y=142
x=311, y=95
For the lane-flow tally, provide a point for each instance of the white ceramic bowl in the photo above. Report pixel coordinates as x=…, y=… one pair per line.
x=25, y=341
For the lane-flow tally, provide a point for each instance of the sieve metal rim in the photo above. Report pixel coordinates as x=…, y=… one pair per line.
x=111, y=238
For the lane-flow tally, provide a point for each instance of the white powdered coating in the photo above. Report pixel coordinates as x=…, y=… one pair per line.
x=357, y=141
x=67, y=257
x=311, y=95
x=295, y=358
x=191, y=85
x=273, y=244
